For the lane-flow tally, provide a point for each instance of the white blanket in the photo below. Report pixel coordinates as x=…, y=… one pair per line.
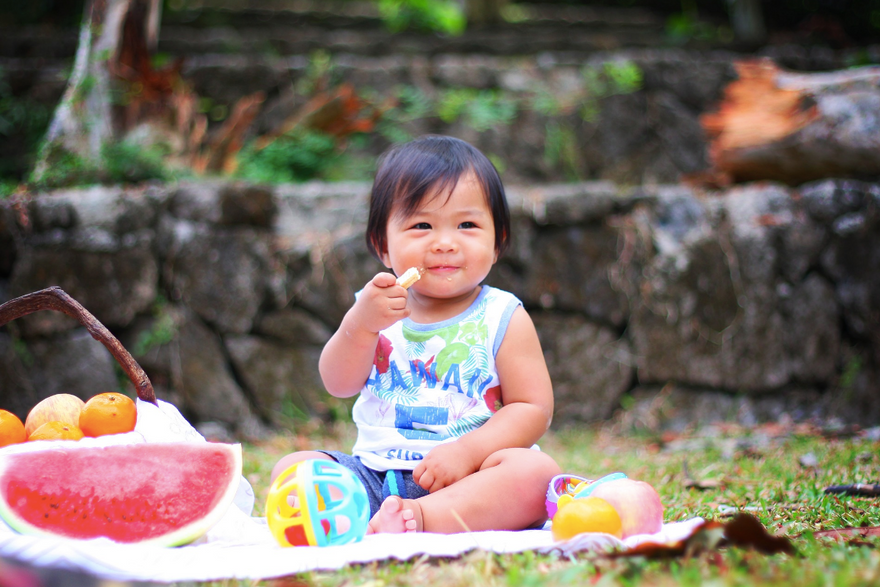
x=240, y=546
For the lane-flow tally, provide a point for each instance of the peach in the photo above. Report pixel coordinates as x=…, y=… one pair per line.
x=61, y=407
x=637, y=503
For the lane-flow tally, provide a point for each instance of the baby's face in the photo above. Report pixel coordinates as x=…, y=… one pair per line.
x=452, y=239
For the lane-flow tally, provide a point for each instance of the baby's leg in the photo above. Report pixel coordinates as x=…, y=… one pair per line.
x=507, y=493
x=396, y=516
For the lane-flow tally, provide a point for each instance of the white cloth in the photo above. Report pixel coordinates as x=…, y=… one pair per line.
x=241, y=547
x=431, y=383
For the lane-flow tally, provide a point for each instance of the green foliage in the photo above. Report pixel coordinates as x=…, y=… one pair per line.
x=443, y=16
x=64, y=168
x=561, y=149
x=162, y=331
x=7, y=187
x=851, y=372
x=122, y=162
x=412, y=104
x=21, y=350
x=129, y=162
x=22, y=122
x=687, y=25
x=480, y=109
x=609, y=79
x=297, y=156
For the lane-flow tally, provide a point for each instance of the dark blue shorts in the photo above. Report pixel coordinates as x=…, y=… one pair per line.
x=379, y=484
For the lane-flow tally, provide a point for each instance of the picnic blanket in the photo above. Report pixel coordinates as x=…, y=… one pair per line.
x=241, y=546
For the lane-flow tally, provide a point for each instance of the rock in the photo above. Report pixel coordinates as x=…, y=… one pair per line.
x=284, y=381
x=221, y=273
x=714, y=312
x=590, y=366
x=17, y=393
x=678, y=409
x=325, y=282
x=190, y=361
x=8, y=248
x=73, y=363
x=113, y=284
x=293, y=326
x=224, y=203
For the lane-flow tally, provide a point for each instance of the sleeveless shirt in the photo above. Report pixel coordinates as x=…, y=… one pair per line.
x=431, y=383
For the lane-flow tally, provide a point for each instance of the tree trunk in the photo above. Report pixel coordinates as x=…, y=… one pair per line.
x=82, y=122
x=747, y=20
x=791, y=127
x=481, y=12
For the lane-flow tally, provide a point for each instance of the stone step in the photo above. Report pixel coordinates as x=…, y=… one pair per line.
x=294, y=28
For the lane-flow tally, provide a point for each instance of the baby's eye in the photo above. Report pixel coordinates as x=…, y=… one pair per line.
x=467, y=225
x=422, y=226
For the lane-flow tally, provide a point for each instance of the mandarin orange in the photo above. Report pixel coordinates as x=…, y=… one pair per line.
x=588, y=514
x=11, y=429
x=108, y=413
x=56, y=431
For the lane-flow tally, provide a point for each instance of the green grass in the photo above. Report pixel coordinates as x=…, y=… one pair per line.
x=778, y=473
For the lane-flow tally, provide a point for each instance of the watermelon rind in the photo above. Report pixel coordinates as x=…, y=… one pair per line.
x=184, y=534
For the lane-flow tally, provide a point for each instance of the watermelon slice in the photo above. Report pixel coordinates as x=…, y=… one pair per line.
x=165, y=494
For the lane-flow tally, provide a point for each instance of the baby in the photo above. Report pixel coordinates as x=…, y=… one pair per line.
x=453, y=391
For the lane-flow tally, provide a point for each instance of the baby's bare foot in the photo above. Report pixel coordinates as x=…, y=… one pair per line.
x=396, y=516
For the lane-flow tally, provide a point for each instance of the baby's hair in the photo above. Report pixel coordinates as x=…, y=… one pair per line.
x=431, y=164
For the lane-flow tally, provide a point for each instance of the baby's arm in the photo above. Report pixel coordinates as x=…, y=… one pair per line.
x=527, y=397
x=347, y=358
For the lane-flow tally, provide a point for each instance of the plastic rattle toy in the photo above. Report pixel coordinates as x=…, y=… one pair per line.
x=563, y=488
x=317, y=503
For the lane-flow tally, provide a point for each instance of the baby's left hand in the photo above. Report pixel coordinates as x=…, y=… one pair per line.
x=444, y=465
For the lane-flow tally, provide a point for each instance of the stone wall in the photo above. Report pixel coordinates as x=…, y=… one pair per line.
x=758, y=303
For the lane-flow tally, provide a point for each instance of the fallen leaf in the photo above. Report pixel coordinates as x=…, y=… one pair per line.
x=848, y=533
x=809, y=461
x=707, y=536
x=745, y=530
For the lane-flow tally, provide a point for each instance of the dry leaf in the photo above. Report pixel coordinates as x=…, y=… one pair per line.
x=745, y=530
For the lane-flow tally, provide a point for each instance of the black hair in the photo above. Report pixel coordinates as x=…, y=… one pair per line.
x=431, y=164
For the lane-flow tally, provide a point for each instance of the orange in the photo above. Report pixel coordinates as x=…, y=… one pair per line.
x=56, y=431
x=11, y=429
x=588, y=514
x=61, y=407
x=108, y=413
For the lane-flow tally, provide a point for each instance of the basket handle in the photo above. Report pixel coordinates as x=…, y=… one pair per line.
x=55, y=298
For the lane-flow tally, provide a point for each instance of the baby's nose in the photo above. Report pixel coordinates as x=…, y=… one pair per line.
x=445, y=243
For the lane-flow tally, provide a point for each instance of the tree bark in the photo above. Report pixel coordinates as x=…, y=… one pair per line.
x=480, y=12
x=747, y=20
x=795, y=127
x=82, y=122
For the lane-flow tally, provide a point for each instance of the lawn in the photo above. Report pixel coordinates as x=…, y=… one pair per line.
x=775, y=472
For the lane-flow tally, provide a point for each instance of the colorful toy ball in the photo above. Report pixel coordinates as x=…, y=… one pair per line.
x=317, y=502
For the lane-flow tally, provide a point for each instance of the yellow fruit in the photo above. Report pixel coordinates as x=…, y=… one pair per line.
x=108, y=413
x=11, y=429
x=61, y=407
x=56, y=431
x=589, y=514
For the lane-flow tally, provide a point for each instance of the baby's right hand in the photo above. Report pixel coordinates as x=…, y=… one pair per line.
x=381, y=303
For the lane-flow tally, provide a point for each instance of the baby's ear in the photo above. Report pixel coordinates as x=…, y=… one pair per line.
x=386, y=259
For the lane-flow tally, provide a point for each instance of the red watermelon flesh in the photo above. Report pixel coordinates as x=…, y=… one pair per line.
x=159, y=493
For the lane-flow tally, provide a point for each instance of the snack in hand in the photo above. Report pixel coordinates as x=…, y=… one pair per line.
x=410, y=276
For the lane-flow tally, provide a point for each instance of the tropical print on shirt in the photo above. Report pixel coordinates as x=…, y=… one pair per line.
x=431, y=383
